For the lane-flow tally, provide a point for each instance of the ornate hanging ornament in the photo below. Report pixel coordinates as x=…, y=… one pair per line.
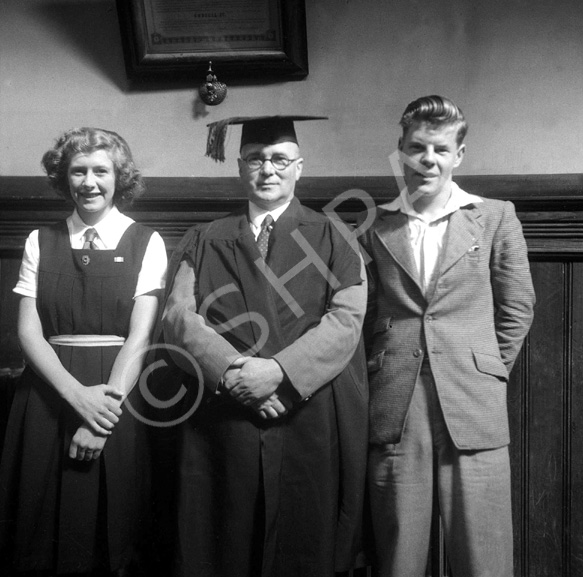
x=212, y=92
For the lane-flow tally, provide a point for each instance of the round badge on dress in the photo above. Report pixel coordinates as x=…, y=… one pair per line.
x=85, y=259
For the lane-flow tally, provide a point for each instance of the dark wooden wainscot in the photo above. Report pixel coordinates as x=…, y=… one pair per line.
x=546, y=388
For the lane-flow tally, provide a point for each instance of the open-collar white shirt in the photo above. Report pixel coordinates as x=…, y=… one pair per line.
x=427, y=234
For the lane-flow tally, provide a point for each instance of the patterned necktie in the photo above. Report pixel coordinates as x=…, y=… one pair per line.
x=89, y=236
x=263, y=237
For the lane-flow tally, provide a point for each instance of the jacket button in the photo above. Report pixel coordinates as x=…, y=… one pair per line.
x=417, y=353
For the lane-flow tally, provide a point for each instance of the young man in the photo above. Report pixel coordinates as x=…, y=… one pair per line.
x=269, y=301
x=450, y=303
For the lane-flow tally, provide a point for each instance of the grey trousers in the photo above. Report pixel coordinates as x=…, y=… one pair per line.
x=473, y=493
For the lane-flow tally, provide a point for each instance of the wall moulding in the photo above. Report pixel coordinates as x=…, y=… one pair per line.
x=549, y=206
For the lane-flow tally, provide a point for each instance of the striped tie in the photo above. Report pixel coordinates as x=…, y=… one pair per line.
x=263, y=237
x=89, y=236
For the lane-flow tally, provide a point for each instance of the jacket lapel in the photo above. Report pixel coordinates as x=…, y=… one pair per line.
x=393, y=233
x=463, y=233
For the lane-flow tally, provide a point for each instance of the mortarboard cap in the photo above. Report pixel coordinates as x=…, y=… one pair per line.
x=257, y=129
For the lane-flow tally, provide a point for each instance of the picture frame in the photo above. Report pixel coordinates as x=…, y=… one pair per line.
x=175, y=40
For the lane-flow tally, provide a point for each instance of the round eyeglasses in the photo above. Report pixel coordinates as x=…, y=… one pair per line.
x=278, y=162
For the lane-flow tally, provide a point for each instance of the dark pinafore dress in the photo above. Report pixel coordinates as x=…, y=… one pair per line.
x=57, y=513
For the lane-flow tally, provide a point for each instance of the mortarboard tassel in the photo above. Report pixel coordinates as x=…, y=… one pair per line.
x=215, y=143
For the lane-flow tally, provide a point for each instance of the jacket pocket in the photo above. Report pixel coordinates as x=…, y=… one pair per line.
x=491, y=365
x=375, y=362
x=382, y=325
x=380, y=342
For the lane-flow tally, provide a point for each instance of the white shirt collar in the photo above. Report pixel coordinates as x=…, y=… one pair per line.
x=109, y=229
x=257, y=214
x=458, y=199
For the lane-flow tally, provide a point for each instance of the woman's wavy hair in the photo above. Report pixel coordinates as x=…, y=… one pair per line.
x=128, y=180
x=436, y=111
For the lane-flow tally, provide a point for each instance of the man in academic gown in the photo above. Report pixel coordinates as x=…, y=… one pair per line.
x=272, y=463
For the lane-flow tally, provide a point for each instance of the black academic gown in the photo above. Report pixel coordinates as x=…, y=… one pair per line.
x=277, y=497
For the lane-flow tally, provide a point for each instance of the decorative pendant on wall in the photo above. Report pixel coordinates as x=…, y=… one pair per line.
x=212, y=92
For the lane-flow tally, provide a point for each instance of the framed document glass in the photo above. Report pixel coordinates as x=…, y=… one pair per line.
x=176, y=39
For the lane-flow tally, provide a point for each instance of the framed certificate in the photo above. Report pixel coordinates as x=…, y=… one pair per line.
x=176, y=39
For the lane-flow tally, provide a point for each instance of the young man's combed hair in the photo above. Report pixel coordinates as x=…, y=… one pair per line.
x=435, y=111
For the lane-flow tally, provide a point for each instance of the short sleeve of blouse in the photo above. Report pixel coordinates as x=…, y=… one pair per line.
x=153, y=272
x=27, y=278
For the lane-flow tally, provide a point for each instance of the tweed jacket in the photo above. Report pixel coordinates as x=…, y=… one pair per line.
x=471, y=325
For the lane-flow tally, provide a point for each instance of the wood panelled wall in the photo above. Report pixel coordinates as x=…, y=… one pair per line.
x=546, y=386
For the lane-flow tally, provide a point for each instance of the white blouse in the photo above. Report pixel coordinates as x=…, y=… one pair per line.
x=109, y=232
